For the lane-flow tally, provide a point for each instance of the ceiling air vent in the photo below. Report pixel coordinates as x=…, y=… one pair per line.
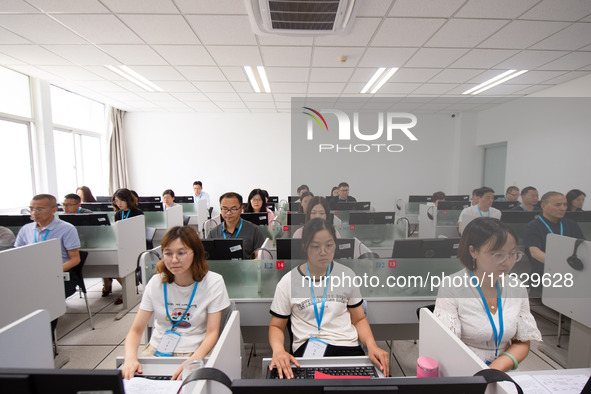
x=301, y=17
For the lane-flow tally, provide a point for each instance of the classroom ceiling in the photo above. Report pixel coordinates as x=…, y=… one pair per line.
x=196, y=49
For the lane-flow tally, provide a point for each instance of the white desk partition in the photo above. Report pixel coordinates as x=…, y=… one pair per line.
x=174, y=216
x=202, y=214
x=570, y=300
x=32, y=278
x=427, y=220
x=26, y=343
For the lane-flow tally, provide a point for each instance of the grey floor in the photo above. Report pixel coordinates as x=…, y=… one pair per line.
x=97, y=349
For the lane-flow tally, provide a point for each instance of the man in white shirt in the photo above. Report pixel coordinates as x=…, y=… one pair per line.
x=484, y=208
x=200, y=194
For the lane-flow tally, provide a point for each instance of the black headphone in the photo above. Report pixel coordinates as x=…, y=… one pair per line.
x=574, y=261
x=430, y=210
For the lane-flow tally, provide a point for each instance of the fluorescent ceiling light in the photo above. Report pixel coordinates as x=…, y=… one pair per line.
x=261, y=80
x=134, y=77
x=382, y=81
x=491, y=83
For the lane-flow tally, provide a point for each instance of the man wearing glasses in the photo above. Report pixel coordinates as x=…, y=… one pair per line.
x=73, y=204
x=233, y=226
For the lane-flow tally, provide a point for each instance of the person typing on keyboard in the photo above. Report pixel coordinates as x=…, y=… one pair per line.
x=326, y=319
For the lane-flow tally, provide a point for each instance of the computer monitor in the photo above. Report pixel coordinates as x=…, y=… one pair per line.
x=86, y=219
x=150, y=199
x=293, y=198
x=458, y=197
x=578, y=216
x=294, y=206
x=273, y=199
x=452, y=205
x=371, y=218
x=14, y=220
x=291, y=249
x=353, y=206
x=295, y=218
x=417, y=198
x=505, y=205
x=184, y=199
x=519, y=216
x=150, y=206
x=64, y=381
x=258, y=218
x=443, y=248
x=451, y=385
x=223, y=249
x=98, y=206
x=103, y=198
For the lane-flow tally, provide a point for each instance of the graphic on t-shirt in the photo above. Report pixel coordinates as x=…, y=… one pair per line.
x=176, y=314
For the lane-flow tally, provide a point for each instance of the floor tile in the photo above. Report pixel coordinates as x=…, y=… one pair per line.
x=550, y=342
x=108, y=331
x=70, y=321
x=84, y=357
x=533, y=362
x=109, y=361
x=75, y=304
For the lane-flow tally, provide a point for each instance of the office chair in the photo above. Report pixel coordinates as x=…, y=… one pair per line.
x=78, y=280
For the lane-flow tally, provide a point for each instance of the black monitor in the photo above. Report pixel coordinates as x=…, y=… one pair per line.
x=98, y=206
x=420, y=198
x=372, y=217
x=150, y=206
x=442, y=248
x=519, y=216
x=271, y=206
x=86, y=219
x=14, y=220
x=64, y=381
x=150, y=199
x=293, y=198
x=223, y=249
x=258, y=218
x=298, y=218
x=184, y=199
x=578, y=216
x=353, y=206
x=458, y=197
x=447, y=385
x=452, y=205
x=291, y=249
x=273, y=199
x=294, y=206
x=103, y=198
x=505, y=205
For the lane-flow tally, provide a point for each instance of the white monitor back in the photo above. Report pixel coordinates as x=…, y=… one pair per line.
x=26, y=343
x=174, y=216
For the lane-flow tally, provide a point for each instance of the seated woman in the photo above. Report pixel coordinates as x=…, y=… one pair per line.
x=183, y=279
x=168, y=199
x=258, y=203
x=317, y=332
x=125, y=206
x=317, y=207
x=575, y=199
x=304, y=200
x=491, y=316
x=85, y=194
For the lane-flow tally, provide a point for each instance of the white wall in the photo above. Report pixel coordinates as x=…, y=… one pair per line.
x=227, y=152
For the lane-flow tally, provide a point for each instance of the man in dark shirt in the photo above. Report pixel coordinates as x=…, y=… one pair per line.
x=343, y=196
x=529, y=200
x=73, y=204
x=233, y=226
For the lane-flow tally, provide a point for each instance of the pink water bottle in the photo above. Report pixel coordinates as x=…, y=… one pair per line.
x=427, y=368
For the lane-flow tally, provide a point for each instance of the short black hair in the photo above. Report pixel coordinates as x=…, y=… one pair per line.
x=343, y=184
x=231, y=195
x=549, y=195
x=51, y=198
x=511, y=188
x=302, y=187
x=198, y=183
x=73, y=196
x=169, y=192
x=527, y=189
x=479, y=232
x=311, y=228
x=483, y=190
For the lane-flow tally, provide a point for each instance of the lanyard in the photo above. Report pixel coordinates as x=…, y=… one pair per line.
x=498, y=336
x=186, y=310
x=481, y=211
x=548, y=227
x=321, y=315
x=239, y=228
x=44, y=238
x=79, y=209
x=123, y=213
x=522, y=207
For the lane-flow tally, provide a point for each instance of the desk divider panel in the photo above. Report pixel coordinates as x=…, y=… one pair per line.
x=174, y=216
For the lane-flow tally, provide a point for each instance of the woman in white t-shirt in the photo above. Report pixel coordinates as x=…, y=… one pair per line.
x=186, y=300
x=482, y=305
x=325, y=320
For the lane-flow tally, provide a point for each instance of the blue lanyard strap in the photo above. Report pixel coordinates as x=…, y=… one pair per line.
x=481, y=211
x=239, y=228
x=126, y=216
x=548, y=227
x=79, y=209
x=320, y=315
x=498, y=336
x=522, y=207
x=186, y=310
x=44, y=238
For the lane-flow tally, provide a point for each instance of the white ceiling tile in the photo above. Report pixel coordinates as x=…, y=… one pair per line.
x=587, y=48
x=413, y=75
x=236, y=73
x=587, y=19
x=286, y=56
x=176, y=86
x=161, y=29
x=129, y=86
x=70, y=6
x=287, y=74
x=534, y=89
x=465, y=33
x=406, y=32
x=222, y=29
x=201, y=73
x=352, y=88
x=100, y=29
x=73, y=73
x=141, y=6
x=503, y=89
x=40, y=29
x=285, y=98
x=131, y=55
x=263, y=110
x=425, y=8
x=81, y=54
x=506, y=9
x=361, y=32
x=483, y=58
x=100, y=86
x=185, y=55
x=573, y=37
x=398, y=88
x=288, y=87
x=8, y=37
x=35, y=72
x=252, y=97
x=434, y=88
x=455, y=76
x=325, y=87
x=33, y=54
x=572, y=61
x=215, y=97
x=190, y=96
x=522, y=34
x=559, y=10
x=278, y=40
x=260, y=104
x=386, y=57
x=330, y=74
x=363, y=74
x=567, y=77
x=529, y=60
x=17, y=6
x=159, y=73
x=373, y=7
x=435, y=57
x=328, y=57
x=211, y=7
x=231, y=105
x=157, y=96
x=7, y=60
x=214, y=87
x=243, y=87
x=204, y=106
x=538, y=77
x=236, y=55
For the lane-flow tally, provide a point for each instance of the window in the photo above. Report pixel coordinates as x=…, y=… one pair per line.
x=15, y=161
x=15, y=95
x=71, y=110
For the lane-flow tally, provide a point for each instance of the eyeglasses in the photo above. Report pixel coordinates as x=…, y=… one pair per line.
x=36, y=209
x=256, y=200
x=499, y=258
x=231, y=210
x=180, y=255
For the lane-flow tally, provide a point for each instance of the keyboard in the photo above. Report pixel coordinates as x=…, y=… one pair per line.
x=308, y=372
x=153, y=377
